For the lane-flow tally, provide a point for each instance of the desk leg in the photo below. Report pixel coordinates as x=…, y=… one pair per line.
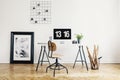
x=76, y=59
x=46, y=54
x=81, y=55
x=42, y=57
x=39, y=59
x=85, y=59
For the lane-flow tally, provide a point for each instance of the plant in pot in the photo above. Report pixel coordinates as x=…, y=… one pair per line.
x=79, y=37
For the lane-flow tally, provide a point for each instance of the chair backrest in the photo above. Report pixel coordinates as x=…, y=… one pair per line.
x=51, y=47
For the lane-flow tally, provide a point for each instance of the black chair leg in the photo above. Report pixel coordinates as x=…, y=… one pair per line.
x=54, y=70
x=50, y=66
x=66, y=70
x=64, y=67
x=47, y=69
x=56, y=66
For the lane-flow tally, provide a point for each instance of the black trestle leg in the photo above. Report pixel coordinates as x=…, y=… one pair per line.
x=82, y=57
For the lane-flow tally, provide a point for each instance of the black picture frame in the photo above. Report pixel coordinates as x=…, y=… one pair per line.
x=22, y=47
x=62, y=34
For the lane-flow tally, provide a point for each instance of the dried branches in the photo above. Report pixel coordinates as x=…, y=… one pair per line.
x=93, y=59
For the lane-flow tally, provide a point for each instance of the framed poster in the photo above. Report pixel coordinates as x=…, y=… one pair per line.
x=22, y=47
x=62, y=34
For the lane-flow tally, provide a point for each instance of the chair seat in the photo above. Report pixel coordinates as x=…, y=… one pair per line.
x=56, y=55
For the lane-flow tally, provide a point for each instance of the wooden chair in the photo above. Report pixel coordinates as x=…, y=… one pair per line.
x=55, y=66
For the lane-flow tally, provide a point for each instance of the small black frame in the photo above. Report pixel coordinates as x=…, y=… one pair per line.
x=22, y=47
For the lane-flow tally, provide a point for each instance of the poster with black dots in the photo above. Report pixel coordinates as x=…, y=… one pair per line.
x=40, y=11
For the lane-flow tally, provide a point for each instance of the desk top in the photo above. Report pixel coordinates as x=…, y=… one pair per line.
x=41, y=43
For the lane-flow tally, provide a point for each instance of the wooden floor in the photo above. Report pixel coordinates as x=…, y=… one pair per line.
x=27, y=72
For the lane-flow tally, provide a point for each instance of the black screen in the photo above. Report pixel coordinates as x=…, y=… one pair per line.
x=62, y=33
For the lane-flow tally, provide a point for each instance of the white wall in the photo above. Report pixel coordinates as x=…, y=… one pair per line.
x=96, y=19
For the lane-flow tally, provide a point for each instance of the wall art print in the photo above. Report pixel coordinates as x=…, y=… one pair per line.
x=22, y=47
x=40, y=11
